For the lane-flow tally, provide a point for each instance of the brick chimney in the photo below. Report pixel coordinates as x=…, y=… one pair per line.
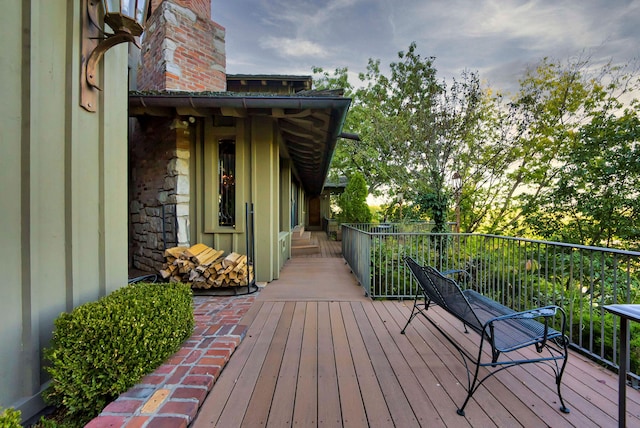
x=182, y=48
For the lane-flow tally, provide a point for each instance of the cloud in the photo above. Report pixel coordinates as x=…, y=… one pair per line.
x=499, y=38
x=295, y=48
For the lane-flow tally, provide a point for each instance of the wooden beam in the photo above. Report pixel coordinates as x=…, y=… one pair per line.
x=278, y=112
x=302, y=131
x=233, y=112
x=152, y=111
x=191, y=111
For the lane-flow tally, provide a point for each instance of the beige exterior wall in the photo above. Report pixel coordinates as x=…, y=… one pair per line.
x=63, y=173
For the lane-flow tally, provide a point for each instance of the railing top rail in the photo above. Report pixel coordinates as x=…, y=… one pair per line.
x=486, y=235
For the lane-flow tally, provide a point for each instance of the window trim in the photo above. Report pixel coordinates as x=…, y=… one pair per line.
x=211, y=190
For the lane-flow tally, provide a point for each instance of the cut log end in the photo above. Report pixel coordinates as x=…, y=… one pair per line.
x=204, y=267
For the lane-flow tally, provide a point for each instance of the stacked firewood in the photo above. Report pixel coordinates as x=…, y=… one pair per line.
x=205, y=267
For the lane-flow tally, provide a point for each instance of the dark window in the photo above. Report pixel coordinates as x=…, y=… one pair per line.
x=227, y=179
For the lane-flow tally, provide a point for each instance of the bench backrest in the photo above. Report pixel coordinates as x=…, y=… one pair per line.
x=445, y=292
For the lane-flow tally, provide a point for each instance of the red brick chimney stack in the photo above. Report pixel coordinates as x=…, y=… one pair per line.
x=182, y=48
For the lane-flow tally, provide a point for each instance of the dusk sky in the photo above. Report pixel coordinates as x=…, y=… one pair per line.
x=498, y=38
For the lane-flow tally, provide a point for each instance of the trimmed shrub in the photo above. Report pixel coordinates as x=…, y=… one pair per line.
x=353, y=201
x=10, y=418
x=103, y=348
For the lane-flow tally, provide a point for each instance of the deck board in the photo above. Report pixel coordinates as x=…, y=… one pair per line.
x=352, y=407
x=218, y=397
x=238, y=401
x=320, y=356
x=328, y=392
x=401, y=412
x=377, y=412
x=305, y=410
x=422, y=407
x=260, y=402
x=285, y=392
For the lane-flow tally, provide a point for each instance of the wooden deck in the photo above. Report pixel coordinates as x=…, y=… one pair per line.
x=319, y=353
x=328, y=248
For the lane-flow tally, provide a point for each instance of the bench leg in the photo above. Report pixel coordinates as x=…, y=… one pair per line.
x=413, y=315
x=414, y=311
x=460, y=410
x=563, y=407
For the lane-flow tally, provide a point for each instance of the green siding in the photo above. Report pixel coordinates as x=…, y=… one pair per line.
x=265, y=196
x=10, y=194
x=63, y=174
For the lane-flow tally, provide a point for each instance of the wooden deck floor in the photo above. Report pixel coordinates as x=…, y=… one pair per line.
x=328, y=247
x=322, y=358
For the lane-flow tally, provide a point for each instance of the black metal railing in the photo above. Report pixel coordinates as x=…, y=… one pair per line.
x=519, y=273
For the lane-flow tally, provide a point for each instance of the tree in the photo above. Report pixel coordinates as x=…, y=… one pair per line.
x=520, y=158
x=353, y=201
x=577, y=170
x=596, y=200
x=532, y=143
x=411, y=127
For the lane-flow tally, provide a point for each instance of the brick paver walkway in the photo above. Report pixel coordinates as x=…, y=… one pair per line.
x=173, y=393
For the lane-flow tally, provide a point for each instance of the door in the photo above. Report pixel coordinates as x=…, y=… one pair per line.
x=315, y=221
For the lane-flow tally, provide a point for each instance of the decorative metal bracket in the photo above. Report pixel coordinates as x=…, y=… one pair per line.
x=91, y=33
x=95, y=42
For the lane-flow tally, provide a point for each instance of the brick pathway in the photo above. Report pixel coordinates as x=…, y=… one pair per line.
x=173, y=393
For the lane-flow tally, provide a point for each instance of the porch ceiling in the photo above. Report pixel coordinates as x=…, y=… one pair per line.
x=309, y=122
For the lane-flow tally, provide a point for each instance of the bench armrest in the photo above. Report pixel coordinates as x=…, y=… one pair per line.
x=546, y=312
x=543, y=312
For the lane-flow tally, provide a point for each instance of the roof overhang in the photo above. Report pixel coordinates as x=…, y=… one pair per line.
x=309, y=124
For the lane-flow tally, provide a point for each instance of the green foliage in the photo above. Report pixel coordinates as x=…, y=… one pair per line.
x=436, y=205
x=415, y=131
x=102, y=348
x=53, y=423
x=10, y=418
x=572, y=145
x=596, y=200
x=554, y=160
x=604, y=328
x=353, y=201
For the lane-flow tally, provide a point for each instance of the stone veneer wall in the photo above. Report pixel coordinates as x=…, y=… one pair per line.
x=182, y=50
x=159, y=162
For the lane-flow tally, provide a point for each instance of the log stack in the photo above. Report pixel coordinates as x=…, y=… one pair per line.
x=205, y=267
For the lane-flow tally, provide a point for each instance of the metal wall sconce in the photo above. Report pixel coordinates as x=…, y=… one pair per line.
x=126, y=18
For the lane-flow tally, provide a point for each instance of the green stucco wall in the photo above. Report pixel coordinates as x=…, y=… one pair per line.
x=63, y=173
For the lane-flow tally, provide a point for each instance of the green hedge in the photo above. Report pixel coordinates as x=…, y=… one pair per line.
x=9, y=418
x=103, y=348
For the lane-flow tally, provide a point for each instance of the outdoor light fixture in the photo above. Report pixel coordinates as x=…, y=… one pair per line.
x=125, y=18
x=456, y=181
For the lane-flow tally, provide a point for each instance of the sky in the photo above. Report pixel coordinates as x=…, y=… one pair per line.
x=497, y=38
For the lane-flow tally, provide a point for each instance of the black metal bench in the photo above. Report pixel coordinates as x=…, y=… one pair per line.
x=501, y=328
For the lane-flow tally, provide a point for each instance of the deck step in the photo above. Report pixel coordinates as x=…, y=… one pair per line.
x=304, y=245
x=304, y=250
x=301, y=237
